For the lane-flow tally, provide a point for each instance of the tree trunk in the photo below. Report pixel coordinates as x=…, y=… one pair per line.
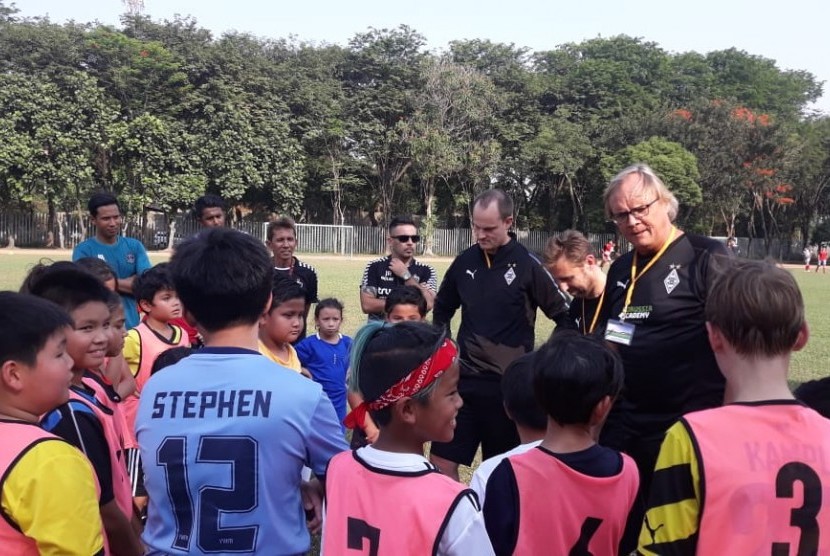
x=429, y=221
x=171, y=232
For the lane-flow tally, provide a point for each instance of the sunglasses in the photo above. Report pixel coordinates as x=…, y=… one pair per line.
x=404, y=239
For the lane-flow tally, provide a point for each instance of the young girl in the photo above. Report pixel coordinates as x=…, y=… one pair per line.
x=326, y=354
x=387, y=498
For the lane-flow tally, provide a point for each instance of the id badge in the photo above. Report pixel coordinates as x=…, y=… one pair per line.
x=619, y=332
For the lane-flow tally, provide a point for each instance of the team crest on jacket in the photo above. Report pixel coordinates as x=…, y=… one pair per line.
x=509, y=276
x=671, y=281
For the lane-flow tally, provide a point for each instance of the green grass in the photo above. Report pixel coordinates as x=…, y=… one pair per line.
x=340, y=278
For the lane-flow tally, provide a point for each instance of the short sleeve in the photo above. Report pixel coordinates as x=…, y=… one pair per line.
x=325, y=436
x=501, y=508
x=142, y=260
x=132, y=350
x=304, y=351
x=61, y=514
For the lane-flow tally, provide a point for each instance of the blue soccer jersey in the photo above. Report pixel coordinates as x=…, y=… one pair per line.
x=126, y=257
x=223, y=436
x=328, y=364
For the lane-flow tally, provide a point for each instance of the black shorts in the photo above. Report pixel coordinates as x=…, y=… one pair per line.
x=481, y=420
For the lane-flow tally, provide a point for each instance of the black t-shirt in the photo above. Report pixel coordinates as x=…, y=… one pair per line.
x=669, y=367
x=582, y=311
x=306, y=276
x=379, y=281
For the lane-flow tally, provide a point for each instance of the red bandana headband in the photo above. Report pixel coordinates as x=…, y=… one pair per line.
x=424, y=375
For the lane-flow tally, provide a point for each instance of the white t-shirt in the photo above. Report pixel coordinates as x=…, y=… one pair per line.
x=479, y=481
x=465, y=534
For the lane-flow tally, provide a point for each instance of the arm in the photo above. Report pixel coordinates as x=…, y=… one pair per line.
x=325, y=437
x=122, y=536
x=429, y=288
x=447, y=301
x=142, y=263
x=501, y=508
x=671, y=524
x=118, y=373
x=61, y=514
x=132, y=352
x=546, y=294
x=370, y=304
x=369, y=427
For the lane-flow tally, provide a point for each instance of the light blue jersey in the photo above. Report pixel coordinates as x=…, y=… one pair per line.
x=223, y=436
x=126, y=257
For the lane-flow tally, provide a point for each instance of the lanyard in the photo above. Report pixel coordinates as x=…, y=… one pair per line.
x=634, y=276
x=590, y=330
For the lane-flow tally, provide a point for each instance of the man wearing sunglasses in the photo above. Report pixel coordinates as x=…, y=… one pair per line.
x=397, y=269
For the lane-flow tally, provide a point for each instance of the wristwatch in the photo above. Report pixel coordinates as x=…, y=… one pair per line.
x=406, y=276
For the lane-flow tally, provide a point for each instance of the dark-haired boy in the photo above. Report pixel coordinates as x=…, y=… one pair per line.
x=569, y=495
x=399, y=268
x=749, y=477
x=523, y=409
x=405, y=303
x=125, y=255
x=282, y=241
x=280, y=326
x=210, y=210
x=48, y=491
x=84, y=421
x=222, y=435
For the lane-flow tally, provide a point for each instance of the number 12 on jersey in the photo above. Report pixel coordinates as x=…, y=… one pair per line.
x=202, y=517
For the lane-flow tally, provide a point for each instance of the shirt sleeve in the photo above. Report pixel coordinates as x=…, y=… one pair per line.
x=367, y=283
x=325, y=437
x=61, y=514
x=431, y=280
x=132, y=350
x=304, y=351
x=465, y=533
x=83, y=430
x=142, y=261
x=79, y=252
x=671, y=523
x=447, y=301
x=312, y=287
x=501, y=509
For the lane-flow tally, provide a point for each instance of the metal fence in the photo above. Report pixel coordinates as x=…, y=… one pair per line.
x=32, y=230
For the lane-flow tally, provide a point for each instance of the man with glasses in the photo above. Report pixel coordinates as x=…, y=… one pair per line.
x=397, y=269
x=653, y=315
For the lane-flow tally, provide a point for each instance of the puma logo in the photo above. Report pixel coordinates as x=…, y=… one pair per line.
x=652, y=532
x=623, y=285
x=472, y=273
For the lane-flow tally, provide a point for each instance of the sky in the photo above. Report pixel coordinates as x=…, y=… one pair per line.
x=793, y=33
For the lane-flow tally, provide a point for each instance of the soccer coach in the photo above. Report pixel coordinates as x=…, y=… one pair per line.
x=498, y=284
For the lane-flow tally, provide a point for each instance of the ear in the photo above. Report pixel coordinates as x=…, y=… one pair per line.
x=600, y=412
x=590, y=260
x=716, y=339
x=11, y=376
x=268, y=305
x=509, y=221
x=145, y=305
x=404, y=410
x=803, y=336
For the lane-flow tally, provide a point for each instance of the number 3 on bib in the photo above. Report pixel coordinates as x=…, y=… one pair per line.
x=239, y=455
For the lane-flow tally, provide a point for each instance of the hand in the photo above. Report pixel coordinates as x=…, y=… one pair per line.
x=372, y=434
x=312, y=495
x=397, y=267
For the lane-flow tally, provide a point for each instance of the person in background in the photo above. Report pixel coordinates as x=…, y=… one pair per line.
x=210, y=211
x=280, y=326
x=282, y=241
x=405, y=303
x=400, y=268
x=125, y=256
x=570, y=259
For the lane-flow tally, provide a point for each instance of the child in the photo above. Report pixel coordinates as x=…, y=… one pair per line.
x=405, y=303
x=326, y=354
x=569, y=495
x=171, y=356
x=101, y=270
x=48, y=489
x=523, y=409
x=84, y=421
x=749, y=477
x=116, y=370
x=387, y=498
x=223, y=436
x=281, y=324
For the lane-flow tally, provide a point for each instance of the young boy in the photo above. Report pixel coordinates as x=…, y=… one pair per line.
x=405, y=303
x=280, y=326
x=749, y=477
x=569, y=495
x=223, y=436
x=523, y=409
x=84, y=421
x=48, y=491
x=158, y=301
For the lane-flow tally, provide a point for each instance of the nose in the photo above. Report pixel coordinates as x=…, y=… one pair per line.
x=563, y=286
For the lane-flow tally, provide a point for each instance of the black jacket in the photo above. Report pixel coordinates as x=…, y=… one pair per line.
x=498, y=297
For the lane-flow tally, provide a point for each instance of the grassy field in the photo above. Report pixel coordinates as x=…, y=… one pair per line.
x=340, y=277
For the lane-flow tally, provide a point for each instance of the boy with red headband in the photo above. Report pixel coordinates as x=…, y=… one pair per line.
x=387, y=498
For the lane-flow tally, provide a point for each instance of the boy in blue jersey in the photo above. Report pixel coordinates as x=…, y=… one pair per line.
x=126, y=256
x=223, y=437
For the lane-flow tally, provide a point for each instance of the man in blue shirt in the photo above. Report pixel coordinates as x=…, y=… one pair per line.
x=125, y=255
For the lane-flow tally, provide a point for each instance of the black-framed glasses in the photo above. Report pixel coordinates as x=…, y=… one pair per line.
x=637, y=212
x=403, y=238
